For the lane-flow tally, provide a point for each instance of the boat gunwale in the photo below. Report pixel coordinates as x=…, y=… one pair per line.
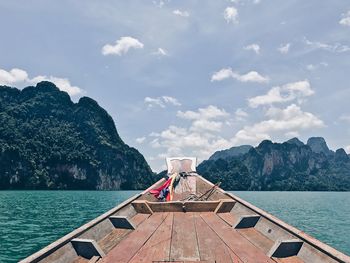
x=319, y=245
x=52, y=247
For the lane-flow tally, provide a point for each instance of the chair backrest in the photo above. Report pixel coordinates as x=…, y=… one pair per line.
x=181, y=164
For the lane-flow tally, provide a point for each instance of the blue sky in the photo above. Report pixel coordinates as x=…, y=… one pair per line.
x=191, y=77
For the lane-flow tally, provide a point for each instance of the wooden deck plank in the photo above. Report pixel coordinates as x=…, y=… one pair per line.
x=245, y=250
x=225, y=206
x=94, y=259
x=142, y=207
x=80, y=260
x=157, y=248
x=184, y=244
x=188, y=206
x=229, y=218
x=129, y=246
x=113, y=238
x=258, y=239
x=234, y=257
x=211, y=247
x=139, y=218
x=293, y=259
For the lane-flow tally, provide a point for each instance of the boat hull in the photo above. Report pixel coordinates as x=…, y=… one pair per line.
x=202, y=223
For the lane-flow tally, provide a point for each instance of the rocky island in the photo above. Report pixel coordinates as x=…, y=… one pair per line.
x=49, y=142
x=288, y=166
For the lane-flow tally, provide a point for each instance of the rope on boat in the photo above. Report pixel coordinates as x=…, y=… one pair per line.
x=203, y=197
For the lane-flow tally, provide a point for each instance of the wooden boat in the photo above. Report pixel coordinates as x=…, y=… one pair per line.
x=202, y=223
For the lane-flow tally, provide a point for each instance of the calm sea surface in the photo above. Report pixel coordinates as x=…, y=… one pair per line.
x=30, y=220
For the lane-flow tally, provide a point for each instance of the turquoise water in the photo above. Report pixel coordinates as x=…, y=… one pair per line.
x=30, y=220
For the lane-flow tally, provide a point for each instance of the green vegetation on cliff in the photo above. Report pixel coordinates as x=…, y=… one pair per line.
x=49, y=142
x=289, y=166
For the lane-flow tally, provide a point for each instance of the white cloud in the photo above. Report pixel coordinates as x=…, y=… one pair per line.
x=242, y=2
x=345, y=118
x=181, y=13
x=222, y=74
x=203, y=135
x=13, y=76
x=241, y=115
x=200, y=138
x=171, y=100
x=231, y=15
x=20, y=77
x=162, y=101
x=206, y=125
x=312, y=67
x=345, y=21
x=347, y=149
x=286, y=121
x=336, y=48
x=140, y=140
x=284, y=49
x=151, y=102
x=210, y=112
x=159, y=3
x=253, y=47
x=272, y=96
x=62, y=83
x=288, y=92
x=122, y=46
x=251, y=76
x=292, y=134
x=160, y=52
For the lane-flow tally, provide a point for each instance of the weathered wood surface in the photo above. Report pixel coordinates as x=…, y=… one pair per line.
x=293, y=259
x=117, y=235
x=229, y=218
x=184, y=244
x=139, y=218
x=157, y=248
x=80, y=260
x=142, y=207
x=211, y=247
x=256, y=238
x=94, y=259
x=113, y=238
x=179, y=236
x=245, y=250
x=225, y=206
x=129, y=246
x=188, y=206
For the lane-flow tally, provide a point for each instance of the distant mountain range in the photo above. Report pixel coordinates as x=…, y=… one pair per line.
x=232, y=152
x=49, y=142
x=291, y=165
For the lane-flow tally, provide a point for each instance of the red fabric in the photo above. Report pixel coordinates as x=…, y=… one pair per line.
x=168, y=197
x=156, y=192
